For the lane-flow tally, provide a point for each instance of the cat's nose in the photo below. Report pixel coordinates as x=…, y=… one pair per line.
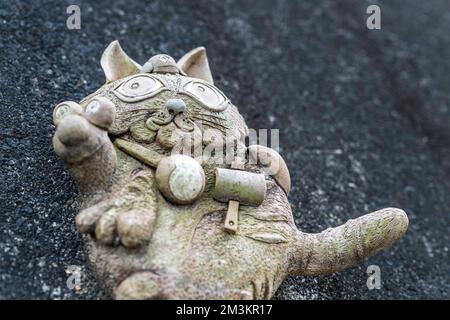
x=176, y=105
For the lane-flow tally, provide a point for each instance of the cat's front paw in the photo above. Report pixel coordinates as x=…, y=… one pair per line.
x=127, y=217
x=79, y=133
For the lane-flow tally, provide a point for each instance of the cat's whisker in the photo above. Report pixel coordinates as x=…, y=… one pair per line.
x=212, y=126
x=210, y=116
x=223, y=130
x=211, y=122
x=137, y=113
x=139, y=110
x=127, y=117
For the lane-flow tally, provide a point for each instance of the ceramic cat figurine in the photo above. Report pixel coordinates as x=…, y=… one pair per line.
x=163, y=226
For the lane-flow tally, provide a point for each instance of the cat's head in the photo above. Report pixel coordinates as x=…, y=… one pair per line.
x=163, y=100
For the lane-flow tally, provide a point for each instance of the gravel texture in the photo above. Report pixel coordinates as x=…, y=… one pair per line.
x=364, y=119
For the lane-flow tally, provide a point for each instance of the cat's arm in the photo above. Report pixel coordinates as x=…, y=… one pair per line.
x=336, y=249
x=81, y=141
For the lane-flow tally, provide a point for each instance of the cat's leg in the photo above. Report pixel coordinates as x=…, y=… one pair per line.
x=336, y=249
x=81, y=141
x=127, y=215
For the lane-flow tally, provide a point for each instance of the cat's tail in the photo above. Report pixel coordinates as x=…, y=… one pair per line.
x=336, y=249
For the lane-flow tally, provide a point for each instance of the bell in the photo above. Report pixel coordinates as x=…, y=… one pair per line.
x=161, y=63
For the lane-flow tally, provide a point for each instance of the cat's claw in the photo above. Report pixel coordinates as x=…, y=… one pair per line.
x=86, y=219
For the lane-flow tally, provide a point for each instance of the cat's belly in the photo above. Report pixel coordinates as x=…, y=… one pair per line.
x=190, y=254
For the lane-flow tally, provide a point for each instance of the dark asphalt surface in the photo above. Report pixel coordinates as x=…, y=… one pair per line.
x=364, y=119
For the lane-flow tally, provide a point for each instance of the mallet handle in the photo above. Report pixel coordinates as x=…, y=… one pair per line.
x=231, y=220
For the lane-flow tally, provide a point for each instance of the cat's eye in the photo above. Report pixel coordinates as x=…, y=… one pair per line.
x=209, y=96
x=138, y=88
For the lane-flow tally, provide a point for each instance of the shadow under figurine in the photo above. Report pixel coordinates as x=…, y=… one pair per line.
x=165, y=226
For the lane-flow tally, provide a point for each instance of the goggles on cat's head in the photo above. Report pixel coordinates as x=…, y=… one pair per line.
x=144, y=86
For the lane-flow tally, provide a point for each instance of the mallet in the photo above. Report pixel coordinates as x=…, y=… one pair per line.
x=238, y=187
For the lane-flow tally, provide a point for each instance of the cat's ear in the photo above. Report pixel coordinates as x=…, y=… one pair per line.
x=195, y=64
x=116, y=63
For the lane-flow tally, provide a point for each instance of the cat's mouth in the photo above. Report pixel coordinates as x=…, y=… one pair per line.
x=181, y=120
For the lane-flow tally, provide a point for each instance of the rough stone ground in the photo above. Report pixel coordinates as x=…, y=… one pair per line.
x=364, y=120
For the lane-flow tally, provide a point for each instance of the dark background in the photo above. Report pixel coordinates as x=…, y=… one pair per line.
x=364, y=121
